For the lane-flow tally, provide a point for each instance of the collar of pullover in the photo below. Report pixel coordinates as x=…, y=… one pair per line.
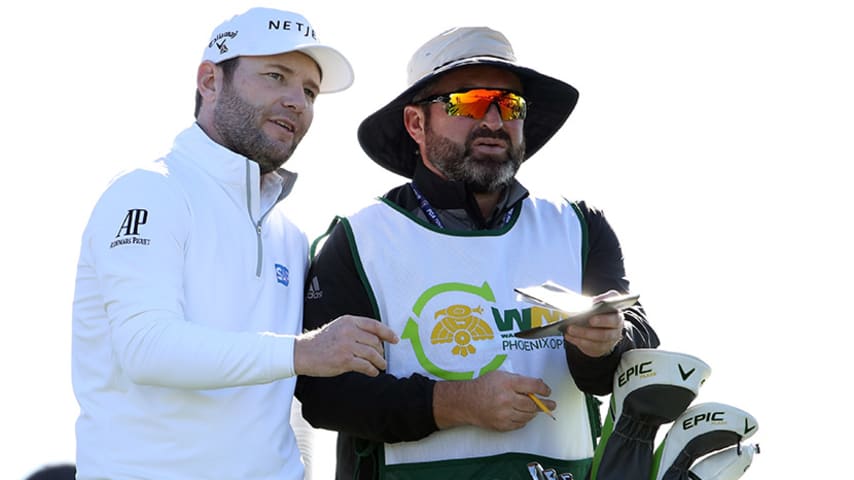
x=230, y=167
x=452, y=197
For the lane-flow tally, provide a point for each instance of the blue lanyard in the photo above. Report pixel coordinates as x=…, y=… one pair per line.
x=433, y=217
x=426, y=207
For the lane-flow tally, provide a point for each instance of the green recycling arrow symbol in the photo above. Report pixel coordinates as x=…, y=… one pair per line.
x=410, y=331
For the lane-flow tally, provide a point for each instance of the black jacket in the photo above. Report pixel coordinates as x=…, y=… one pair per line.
x=388, y=409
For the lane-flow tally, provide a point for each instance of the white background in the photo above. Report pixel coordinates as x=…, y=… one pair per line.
x=715, y=135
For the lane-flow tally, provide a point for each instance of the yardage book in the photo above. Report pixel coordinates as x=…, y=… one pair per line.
x=578, y=308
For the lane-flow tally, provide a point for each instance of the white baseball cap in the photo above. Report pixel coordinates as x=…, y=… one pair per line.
x=267, y=31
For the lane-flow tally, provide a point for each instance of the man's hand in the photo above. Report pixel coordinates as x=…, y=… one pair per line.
x=496, y=401
x=346, y=344
x=603, y=334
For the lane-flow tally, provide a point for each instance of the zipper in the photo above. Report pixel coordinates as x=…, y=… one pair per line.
x=260, y=250
x=259, y=244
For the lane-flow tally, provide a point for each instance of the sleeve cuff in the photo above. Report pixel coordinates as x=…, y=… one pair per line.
x=281, y=354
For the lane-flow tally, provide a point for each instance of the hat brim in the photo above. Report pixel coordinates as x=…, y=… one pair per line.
x=336, y=72
x=384, y=138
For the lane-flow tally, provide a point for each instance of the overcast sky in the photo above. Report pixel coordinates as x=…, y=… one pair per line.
x=716, y=136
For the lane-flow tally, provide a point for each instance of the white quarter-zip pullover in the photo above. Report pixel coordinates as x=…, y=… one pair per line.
x=186, y=267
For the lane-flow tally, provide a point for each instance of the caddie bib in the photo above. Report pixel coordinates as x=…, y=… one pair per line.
x=449, y=296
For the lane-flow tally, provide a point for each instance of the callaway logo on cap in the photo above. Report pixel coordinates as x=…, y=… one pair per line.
x=267, y=31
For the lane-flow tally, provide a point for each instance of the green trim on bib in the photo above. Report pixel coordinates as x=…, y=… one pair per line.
x=595, y=415
x=593, y=403
x=313, y=250
x=508, y=466
x=458, y=233
x=357, y=260
x=585, y=243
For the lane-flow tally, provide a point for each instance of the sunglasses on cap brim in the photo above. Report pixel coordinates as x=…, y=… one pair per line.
x=475, y=102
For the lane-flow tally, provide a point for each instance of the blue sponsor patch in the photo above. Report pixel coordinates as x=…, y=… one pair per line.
x=282, y=274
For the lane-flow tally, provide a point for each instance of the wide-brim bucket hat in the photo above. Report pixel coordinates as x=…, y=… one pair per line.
x=383, y=136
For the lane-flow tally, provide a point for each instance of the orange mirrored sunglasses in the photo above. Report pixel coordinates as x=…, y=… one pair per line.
x=475, y=102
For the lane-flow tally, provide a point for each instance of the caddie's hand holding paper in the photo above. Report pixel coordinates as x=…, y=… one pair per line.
x=577, y=308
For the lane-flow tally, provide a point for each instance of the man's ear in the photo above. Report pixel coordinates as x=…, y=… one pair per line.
x=413, y=120
x=206, y=78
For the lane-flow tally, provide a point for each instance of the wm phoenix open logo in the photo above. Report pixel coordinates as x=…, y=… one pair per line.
x=463, y=328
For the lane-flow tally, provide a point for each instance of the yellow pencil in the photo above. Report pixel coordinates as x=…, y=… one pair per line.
x=542, y=406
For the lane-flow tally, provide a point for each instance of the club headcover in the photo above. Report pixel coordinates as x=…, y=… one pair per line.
x=651, y=387
x=702, y=429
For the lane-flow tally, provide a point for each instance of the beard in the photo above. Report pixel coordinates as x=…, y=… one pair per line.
x=238, y=124
x=482, y=173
